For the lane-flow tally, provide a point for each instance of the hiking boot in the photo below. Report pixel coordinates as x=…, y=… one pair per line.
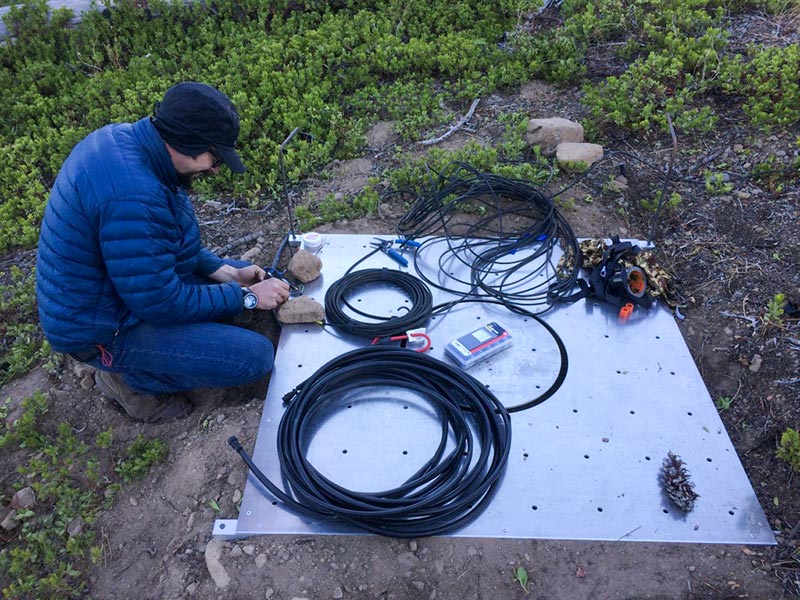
x=141, y=407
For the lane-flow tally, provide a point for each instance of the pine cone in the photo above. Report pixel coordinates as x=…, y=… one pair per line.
x=675, y=479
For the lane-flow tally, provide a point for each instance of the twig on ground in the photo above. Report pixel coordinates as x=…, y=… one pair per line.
x=753, y=321
x=788, y=381
x=455, y=127
x=242, y=240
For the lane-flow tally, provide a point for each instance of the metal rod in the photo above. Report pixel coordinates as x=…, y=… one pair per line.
x=289, y=208
x=665, y=187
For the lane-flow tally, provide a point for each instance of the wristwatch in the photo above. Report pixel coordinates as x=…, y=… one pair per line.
x=249, y=298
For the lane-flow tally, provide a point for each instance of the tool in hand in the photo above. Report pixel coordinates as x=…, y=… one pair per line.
x=296, y=289
x=385, y=246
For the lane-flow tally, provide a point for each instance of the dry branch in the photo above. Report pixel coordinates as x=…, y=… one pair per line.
x=455, y=127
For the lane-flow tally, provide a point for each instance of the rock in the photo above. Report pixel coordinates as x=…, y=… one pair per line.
x=215, y=568
x=24, y=498
x=742, y=195
x=82, y=370
x=190, y=521
x=191, y=588
x=305, y=266
x=237, y=495
x=75, y=527
x=412, y=545
x=549, y=133
x=221, y=417
x=87, y=382
x=9, y=522
x=338, y=592
x=755, y=363
x=261, y=560
x=252, y=254
x=301, y=310
x=268, y=593
x=236, y=551
x=577, y=157
x=738, y=148
x=618, y=184
x=249, y=549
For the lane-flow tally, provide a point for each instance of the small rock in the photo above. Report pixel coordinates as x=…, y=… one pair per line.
x=249, y=549
x=305, y=266
x=215, y=568
x=742, y=195
x=301, y=310
x=9, y=522
x=191, y=588
x=220, y=418
x=87, y=382
x=133, y=501
x=738, y=148
x=252, y=254
x=268, y=593
x=755, y=364
x=261, y=560
x=24, y=498
x=577, y=157
x=75, y=527
x=236, y=551
x=412, y=545
x=418, y=585
x=692, y=569
x=618, y=184
x=237, y=495
x=190, y=521
x=549, y=133
x=338, y=592
x=472, y=551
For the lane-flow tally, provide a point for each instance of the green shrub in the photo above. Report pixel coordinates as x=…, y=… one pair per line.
x=55, y=546
x=789, y=448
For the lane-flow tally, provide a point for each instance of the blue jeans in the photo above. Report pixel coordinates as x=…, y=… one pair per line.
x=157, y=359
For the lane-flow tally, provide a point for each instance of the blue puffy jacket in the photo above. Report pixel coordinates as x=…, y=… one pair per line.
x=120, y=244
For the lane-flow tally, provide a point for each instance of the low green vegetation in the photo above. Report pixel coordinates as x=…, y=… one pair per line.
x=73, y=479
x=789, y=448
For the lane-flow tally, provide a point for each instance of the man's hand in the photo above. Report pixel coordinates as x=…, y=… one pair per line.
x=271, y=293
x=243, y=276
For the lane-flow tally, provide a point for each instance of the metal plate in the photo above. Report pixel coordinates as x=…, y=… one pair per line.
x=584, y=465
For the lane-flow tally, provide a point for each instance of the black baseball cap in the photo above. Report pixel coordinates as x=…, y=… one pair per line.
x=194, y=116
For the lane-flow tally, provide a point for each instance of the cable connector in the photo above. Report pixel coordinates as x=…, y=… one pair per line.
x=234, y=443
x=288, y=397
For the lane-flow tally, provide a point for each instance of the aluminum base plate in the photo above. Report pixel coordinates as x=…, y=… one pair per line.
x=584, y=465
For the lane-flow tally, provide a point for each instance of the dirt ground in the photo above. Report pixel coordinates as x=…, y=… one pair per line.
x=731, y=253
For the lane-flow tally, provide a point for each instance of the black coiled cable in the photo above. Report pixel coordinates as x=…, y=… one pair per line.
x=446, y=493
x=509, y=249
x=336, y=303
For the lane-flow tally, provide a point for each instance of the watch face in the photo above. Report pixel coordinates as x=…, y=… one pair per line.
x=250, y=300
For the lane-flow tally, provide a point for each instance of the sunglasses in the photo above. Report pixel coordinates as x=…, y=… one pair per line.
x=217, y=158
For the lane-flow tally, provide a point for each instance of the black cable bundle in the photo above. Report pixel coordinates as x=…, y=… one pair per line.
x=446, y=493
x=509, y=249
x=336, y=301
